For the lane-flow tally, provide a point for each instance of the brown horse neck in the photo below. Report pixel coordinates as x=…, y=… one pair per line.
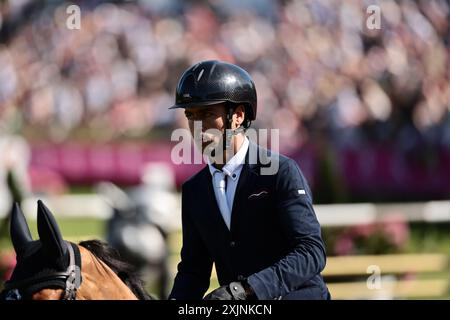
x=99, y=281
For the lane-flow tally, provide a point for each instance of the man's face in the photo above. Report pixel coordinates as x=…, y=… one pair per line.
x=210, y=117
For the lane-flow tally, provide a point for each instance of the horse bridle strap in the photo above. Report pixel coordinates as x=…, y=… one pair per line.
x=72, y=275
x=73, y=280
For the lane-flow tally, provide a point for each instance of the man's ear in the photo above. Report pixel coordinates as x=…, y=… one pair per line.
x=239, y=115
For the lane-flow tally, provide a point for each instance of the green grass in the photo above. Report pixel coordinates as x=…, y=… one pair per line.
x=426, y=237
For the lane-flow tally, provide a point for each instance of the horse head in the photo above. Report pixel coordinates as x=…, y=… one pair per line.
x=52, y=268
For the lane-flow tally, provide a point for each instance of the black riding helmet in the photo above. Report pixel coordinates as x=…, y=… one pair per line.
x=212, y=82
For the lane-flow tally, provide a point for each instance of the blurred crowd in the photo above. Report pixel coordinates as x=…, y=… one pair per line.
x=319, y=71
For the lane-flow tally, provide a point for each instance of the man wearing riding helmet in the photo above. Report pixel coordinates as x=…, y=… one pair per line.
x=260, y=230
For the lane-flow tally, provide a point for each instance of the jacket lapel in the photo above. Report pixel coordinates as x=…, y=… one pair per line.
x=246, y=184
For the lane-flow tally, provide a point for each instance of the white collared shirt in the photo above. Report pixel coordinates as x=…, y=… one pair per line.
x=225, y=181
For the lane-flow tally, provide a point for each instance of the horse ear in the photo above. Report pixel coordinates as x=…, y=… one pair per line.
x=49, y=233
x=20, y=233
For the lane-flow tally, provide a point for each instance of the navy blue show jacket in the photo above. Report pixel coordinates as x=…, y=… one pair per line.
x=274, y=241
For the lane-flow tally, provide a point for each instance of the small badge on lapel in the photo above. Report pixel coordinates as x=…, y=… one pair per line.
x=301, y=191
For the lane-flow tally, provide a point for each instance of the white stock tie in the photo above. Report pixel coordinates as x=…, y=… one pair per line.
x=221, y=195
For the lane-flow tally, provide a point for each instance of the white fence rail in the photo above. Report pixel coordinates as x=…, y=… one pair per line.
x=95, y=206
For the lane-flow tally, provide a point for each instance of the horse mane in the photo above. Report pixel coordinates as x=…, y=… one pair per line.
x=124, y=270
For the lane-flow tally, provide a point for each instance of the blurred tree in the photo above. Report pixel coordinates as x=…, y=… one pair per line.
x=16, y=196
x=330, y=185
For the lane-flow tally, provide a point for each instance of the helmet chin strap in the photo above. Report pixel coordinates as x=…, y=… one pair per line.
x=229, y=133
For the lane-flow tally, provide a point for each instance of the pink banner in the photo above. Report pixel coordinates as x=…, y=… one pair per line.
x=372, y=170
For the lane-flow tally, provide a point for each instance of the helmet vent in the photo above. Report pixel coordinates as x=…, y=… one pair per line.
x=200, y=74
